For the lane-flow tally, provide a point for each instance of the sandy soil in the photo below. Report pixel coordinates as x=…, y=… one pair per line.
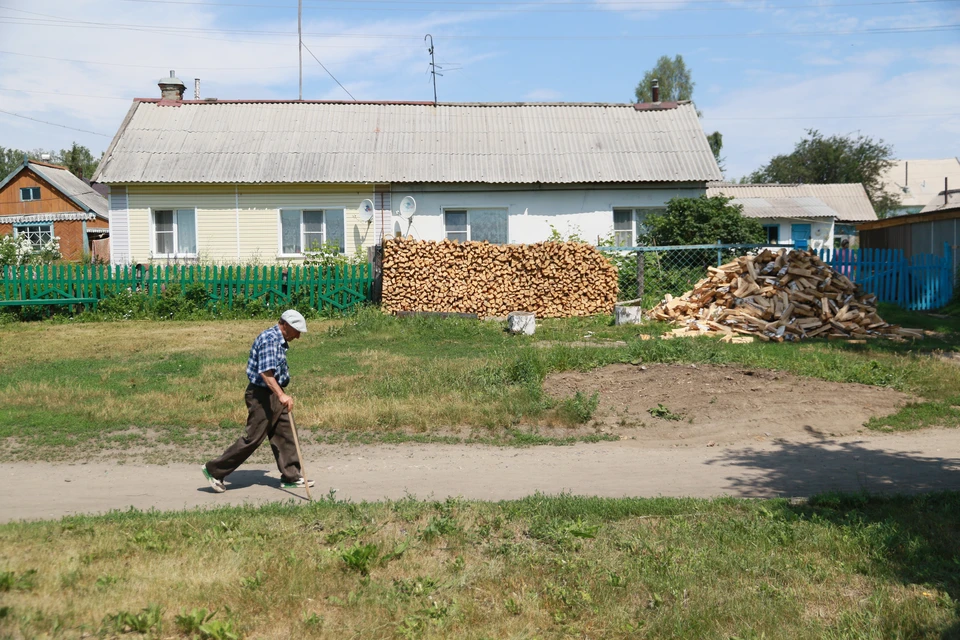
x=724, y=405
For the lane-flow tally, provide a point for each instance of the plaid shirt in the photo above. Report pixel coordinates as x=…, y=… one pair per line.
x=269, y=351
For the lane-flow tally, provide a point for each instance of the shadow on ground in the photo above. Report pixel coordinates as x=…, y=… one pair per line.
x=905, y=506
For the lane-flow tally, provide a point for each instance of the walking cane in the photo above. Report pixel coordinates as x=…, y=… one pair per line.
x=303, y=471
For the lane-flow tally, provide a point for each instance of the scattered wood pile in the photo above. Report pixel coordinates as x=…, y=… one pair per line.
x=777, y=296
x=550, y=279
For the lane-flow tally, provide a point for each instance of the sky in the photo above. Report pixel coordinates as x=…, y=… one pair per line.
x=765, y=71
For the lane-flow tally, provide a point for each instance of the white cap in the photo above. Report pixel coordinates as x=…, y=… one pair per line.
x=293, y=318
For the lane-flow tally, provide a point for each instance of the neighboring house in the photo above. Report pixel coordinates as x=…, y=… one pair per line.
x=928, y=231
x=806, y=215
x=916, y=182
x=242, y=181
x=44, y=201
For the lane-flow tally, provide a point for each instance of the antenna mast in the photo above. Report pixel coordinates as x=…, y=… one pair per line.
x=300, y=42
x=433, y=67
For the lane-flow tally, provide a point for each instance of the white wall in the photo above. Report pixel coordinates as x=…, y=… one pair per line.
x=821, y=230
x=586, y=212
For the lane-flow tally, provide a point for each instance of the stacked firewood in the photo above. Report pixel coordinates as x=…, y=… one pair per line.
x=777, y=296
x=550, y=279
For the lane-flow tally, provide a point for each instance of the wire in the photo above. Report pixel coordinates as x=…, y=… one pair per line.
x=57, y=93
x=54, y=124
x=327, y=70
x=140, y=66
x=893, y=115
x=534, y=6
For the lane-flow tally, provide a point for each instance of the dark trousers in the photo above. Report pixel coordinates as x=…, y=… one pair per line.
x=266, y=418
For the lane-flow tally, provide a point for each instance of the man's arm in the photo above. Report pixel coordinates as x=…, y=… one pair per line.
x=275, y=387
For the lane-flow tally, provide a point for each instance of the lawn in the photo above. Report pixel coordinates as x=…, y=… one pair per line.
x=541, y=567
x=72, y=388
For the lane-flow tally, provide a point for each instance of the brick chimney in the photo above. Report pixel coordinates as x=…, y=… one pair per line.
x=171, y=88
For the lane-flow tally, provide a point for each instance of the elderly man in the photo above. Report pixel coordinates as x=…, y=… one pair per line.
x=268, y=407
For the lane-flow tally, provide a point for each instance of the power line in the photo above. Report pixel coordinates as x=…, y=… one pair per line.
x=57, y=93
x=141, y=66
x=327, y=70
x=54, y=124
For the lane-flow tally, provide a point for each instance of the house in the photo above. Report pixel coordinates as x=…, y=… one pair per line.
x=239, y=181
x=927, y=232
x=43, y=201
x=813, y=215
x=916, y=182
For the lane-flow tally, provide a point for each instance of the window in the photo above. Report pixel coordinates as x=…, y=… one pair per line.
x=628, y=225
x=773, y=233
x=306, y=230
x=38, y=234
x=478, y=225
x=29, y=193
x=175, y=232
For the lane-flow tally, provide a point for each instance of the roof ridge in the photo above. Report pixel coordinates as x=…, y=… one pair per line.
x=400, y=103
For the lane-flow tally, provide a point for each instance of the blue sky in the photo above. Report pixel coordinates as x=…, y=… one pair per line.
x=765, y=71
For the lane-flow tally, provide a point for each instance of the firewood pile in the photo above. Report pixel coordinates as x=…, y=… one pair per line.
x=777, y=296
x=550, y=279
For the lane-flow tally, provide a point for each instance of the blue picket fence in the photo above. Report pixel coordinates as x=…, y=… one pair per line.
x=922, y=282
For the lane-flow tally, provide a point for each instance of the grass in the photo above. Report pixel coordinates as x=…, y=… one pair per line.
x=564, y=566
x=165, y=386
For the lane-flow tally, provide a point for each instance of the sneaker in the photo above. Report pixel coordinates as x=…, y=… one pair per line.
x=215, y=484
x=299, y=484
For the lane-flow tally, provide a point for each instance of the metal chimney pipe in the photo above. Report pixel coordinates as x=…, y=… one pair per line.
x=945, y=196
x=655, y=90
x=196, y=88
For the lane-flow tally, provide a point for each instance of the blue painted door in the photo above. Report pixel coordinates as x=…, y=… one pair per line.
x=801, y=235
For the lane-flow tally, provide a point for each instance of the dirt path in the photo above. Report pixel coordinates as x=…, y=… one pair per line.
x=908, y=463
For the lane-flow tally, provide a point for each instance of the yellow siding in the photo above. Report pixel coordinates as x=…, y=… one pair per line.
x=259, y=205
x=217, y=235
x=139, y=235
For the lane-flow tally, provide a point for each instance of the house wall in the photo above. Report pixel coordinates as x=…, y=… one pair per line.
x=587, y=212
x=821, y=230
x=240, y=223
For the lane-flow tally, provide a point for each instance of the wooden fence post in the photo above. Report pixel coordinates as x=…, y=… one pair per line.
x=640, y=275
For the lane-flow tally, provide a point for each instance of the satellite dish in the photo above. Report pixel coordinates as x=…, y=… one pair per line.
x=407, y=207
x=366, y=210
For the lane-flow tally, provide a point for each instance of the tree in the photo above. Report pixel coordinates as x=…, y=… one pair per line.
x=676, y=83
x=79, y=161
x=10, y=159
x=837, y=159
x=701, y=220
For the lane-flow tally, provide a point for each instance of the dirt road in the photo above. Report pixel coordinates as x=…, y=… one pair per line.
x=908, y=463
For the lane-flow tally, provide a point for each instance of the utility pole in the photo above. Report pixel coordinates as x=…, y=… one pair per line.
x=300, y=42
x=433, y=67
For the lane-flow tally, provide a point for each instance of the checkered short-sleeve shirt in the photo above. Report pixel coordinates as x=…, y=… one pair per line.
x=269, y=351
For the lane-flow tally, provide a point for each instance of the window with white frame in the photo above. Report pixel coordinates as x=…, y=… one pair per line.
x=174, y=232
x=477, y=225
x=29, y=193
x=37, y=234
x=309, y=230
x=628, y=224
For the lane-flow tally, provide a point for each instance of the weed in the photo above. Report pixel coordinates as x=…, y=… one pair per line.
x=359, y=557
x=147, y=620
x=220, y=630
x=578, y=409
x=312, y=620
x=254, y=582
x=10, y=581
x=105, y=581
x=664, y=413
x=513, y=607
x=443, y=525
x=190, y=623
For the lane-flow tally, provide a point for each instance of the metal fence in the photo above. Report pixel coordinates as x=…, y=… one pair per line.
x=649, y=273
x=330, y=288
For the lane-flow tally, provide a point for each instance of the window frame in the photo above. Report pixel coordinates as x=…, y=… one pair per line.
x=18, y=228
x=766, y=231
x=31, y=190
x=636, y=223
x=323, y=229
x=468, y=211
x=176, y=233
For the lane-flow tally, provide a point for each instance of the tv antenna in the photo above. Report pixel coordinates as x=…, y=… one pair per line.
x=433, y=67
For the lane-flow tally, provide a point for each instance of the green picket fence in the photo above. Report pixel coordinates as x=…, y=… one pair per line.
x=323, y=288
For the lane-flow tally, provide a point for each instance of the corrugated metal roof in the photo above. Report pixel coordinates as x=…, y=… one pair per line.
x=939, y=204
x=347, y=142
x=915, y=182
x=849, y=201
x=72, y=187
x=802, y=207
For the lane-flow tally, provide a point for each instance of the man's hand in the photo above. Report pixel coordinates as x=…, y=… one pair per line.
x=286, y=401
x=277, y=390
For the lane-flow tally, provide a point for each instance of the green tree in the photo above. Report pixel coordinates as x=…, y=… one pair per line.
x=676, y=83
x=10, y=159
x=837, y=159
x=79, y=161
x=701, y=220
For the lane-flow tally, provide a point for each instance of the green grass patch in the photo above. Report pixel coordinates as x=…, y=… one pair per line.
x=840, y=566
